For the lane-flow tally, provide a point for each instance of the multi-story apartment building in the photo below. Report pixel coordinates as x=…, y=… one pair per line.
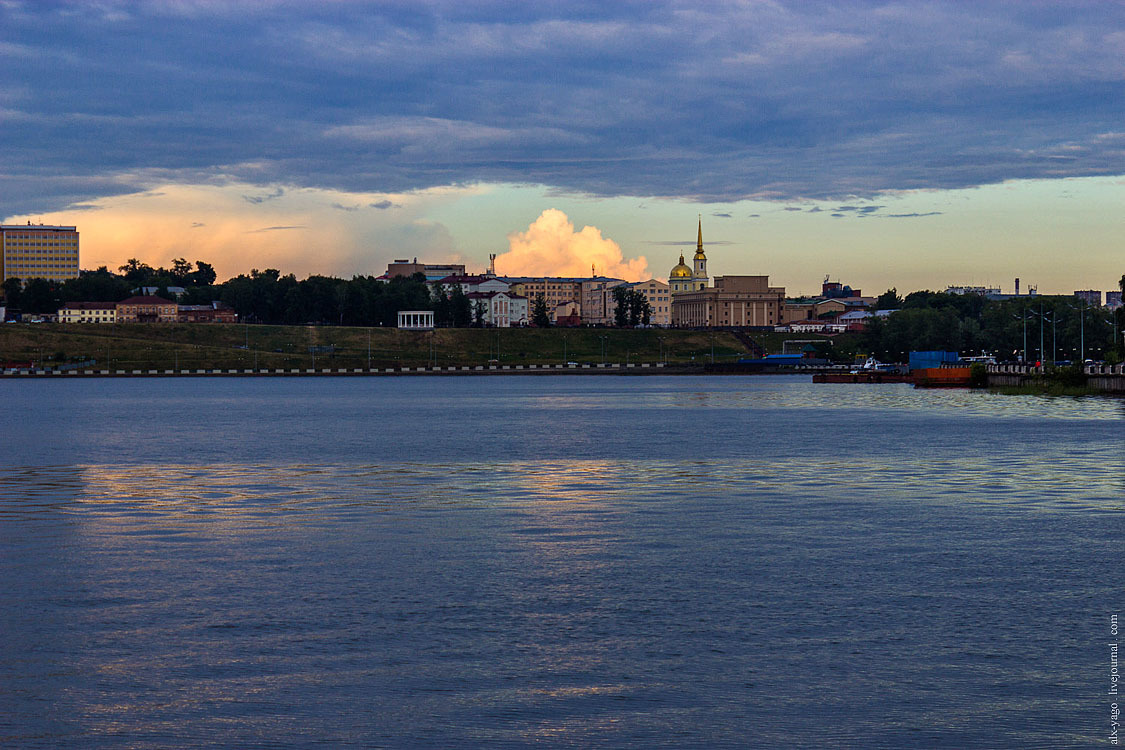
x=597, y=300
x=1092, y=297
x=659, y=296
x=38, y=251
x=555, y=290
x=88, y=312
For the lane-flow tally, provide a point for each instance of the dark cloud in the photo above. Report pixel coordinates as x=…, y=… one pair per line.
x=793, y=208
x=784, y=101
x=274, y=229
x=197, y=224
x=342, y=207
x=912, y=216
x=383, y=205
x=263, y=198
x=721, y=215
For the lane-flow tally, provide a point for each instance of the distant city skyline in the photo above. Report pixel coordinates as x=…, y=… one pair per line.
x=907, y=146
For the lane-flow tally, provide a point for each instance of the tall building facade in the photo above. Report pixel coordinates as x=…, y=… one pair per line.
x=38, y=251
x=734, y=301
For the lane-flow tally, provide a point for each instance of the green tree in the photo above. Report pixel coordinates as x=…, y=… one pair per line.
x=13, y=291
x=460, y=309
x=540, y=317
x=443, y=311
x=621, y=309
x=888, y=300
x=203, y=275
x=40, y=296
x=478, y=313
x=136, y=272
x=181, y=272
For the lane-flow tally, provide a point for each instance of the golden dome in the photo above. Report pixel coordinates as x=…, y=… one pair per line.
x=681, y=271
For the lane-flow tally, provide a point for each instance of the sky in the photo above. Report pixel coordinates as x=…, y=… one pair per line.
x=884, y=144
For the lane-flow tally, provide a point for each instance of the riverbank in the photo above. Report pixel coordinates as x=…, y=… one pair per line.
x=216, y=347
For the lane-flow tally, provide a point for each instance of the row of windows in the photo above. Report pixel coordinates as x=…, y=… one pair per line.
x=39, y=235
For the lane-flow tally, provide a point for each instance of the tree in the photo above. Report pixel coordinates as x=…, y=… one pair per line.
x=478, y=313
x=181, y=271
x=640, y=311
x=443, y=311
x=203, y=275
x=40, y=296
x=621, y=311
x=136, y=272
x=540, y=317
x=460, y=309
x=13, y=291
x=888, y=300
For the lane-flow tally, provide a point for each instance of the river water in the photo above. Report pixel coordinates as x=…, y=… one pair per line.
x=572, y=561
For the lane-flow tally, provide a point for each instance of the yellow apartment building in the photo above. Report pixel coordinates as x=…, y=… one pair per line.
x=38, y=251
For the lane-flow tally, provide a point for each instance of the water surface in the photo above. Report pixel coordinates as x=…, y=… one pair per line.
x=555, y=561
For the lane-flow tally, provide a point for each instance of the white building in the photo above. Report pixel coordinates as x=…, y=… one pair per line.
x=88, y=312
x=501, y=309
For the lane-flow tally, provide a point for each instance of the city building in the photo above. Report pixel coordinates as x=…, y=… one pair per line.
x=743, y=301
x=501, y=309
x=984, y=291
x=38, y=251
x=471, y=283
x=555, y=290
x=1092, y=297
x=432, y=271
x=597, y=300
x=147, y=309
x=88, y=312
x=659, y=296
x=566, y=314
x=1113, y=300
x=216, y=312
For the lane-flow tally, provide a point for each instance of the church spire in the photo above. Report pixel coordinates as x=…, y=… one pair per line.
x=699, y=242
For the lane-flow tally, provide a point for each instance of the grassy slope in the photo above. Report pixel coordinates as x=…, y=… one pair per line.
x=206, y=346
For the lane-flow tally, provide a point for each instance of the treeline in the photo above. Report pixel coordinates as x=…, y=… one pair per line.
x=972, y=324
x=258, y=297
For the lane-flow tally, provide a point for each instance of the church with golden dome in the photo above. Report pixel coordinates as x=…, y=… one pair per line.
x=682, y=278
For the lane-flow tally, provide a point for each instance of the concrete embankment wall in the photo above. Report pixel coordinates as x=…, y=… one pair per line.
x=1108, y=378
x=585, y=369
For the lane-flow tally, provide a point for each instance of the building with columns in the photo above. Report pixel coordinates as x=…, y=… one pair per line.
x=738, y=301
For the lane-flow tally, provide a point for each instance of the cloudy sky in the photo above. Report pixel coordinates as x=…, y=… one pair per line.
x=885, y=144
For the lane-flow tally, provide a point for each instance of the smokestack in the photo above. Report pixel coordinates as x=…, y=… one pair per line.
x=1017, y=286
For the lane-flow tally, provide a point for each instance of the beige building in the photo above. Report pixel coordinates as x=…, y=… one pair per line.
x=555, y=290
x=733, y=301
x=147, y=310
x=659, y=296
x=88, y=312
x=597, y=300
x=38, y=251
